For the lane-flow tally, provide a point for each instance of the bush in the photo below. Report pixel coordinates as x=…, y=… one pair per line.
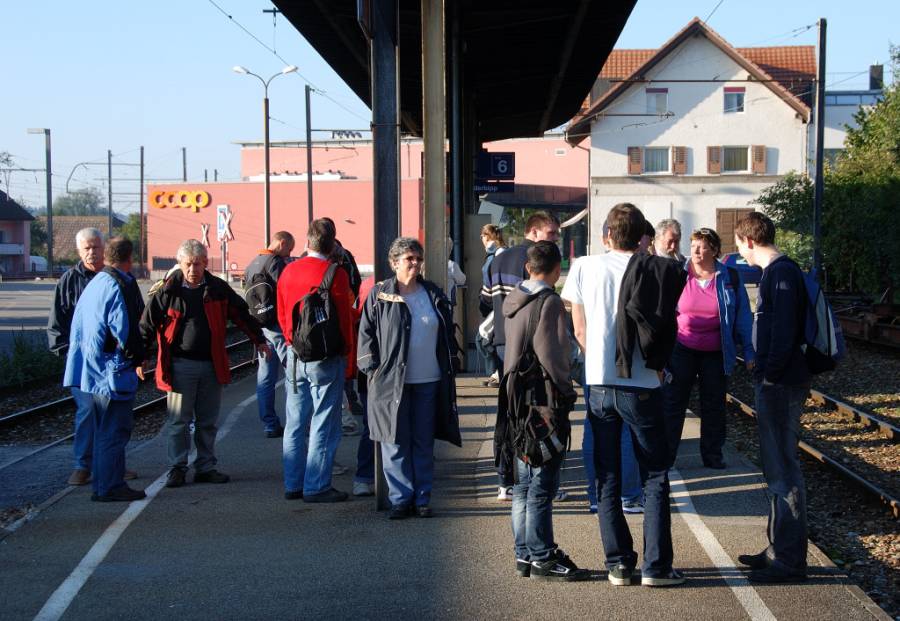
x=28, y=360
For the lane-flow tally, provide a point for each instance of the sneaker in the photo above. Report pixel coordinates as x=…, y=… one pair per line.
x=754, y=561
x=592, y=508
x=363, y=489
x=620, y=575
x=80, y=476
x=504, y=493
x=715, y=464
x=399, y=512
x=175, y=478
x=523, y=568
x=671, y=578
x=329, y=495
x=297, y=495
x=275, y=433
x=561, y=495
x=771, y=575
x=633, y=506
x=130, y=475
x=338, y=469
x=120, y=494
x=211, y=476
x=492, y=383
x=424, y=511
x=558, y=567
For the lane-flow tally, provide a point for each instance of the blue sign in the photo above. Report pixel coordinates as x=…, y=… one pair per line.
x=496, y=165
x=494, y=187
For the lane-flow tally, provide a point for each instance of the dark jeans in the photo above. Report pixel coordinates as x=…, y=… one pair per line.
x=505, y=475
x=685, y=365
x=112, y=422
x=532, y=510
x=365, y=452
x=486, y=350
x=641, y=409
x=778, y=409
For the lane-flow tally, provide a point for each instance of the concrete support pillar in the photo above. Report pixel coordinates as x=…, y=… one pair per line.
x=434, y=106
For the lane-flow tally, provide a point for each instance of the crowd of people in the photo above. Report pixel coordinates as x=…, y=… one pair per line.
x=635, y=326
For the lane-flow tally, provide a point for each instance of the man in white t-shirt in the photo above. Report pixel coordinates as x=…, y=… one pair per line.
x=593, y=287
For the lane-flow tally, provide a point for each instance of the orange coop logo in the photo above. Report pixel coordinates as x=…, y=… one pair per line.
x=178, y=199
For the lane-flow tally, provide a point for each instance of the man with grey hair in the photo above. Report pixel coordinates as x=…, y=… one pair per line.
x=89, y=243
x=668, y=239
x=187, y=318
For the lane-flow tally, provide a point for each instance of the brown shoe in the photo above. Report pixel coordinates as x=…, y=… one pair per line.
x=130, y=475
x=80, y=476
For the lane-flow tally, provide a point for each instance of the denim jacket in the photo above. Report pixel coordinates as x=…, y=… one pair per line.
x=735, y=317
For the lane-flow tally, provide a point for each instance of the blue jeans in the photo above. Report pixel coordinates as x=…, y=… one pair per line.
x=365, y=452
x=312, y=428
x=632, y=485
x=409, y=464
x=685, y=365
x=84, y=428
x=610, y=408
x=532, y=509
x=778, y=409
x=486, y=350
x=267, y=374
x=112, y=422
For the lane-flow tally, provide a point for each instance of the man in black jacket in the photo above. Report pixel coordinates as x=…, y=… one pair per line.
x=89, y=243
x=781, y=377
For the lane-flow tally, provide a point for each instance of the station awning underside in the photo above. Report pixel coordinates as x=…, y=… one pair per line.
x=552, y=197
x=527, y=64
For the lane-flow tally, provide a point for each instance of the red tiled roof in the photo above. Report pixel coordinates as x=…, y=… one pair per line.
x=622, y=63
x=793, y=66
x=66, y=227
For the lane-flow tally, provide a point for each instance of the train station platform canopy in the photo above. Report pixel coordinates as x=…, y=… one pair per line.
x=527, y=66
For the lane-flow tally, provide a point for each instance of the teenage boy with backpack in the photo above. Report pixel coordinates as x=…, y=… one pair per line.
x=315, y=365
x=781, y=383
x=536, y=396
x=261, y=278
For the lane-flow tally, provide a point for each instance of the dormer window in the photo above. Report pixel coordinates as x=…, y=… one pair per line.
x=657, y=100
x=734, y=99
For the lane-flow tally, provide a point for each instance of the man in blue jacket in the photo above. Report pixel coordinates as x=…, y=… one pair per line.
x=105, y=348
x=781, y=383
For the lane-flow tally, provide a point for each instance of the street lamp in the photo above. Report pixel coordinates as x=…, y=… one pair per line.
x=46, y=132
x=265, y=83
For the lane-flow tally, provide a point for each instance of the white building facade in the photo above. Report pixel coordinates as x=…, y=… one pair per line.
x=696, y=130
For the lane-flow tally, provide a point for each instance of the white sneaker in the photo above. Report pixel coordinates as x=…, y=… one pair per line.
x=363, y=489
x=633, y=506
x=504, y=493
x=339, y=469
x=561, y=495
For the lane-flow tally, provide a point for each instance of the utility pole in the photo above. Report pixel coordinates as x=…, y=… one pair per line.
x=109, y=193
x=184, y=164
x=309, y=170
x=215, y=174
x=820, y=152
x=141, y=250
x=205, y=175
x=266, y=189
x=49, y=173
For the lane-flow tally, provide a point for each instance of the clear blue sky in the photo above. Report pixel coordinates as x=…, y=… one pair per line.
x=107, y=74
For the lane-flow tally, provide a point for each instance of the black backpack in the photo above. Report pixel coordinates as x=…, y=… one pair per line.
x=537, y=419
x=259, y=292
x=317, y=328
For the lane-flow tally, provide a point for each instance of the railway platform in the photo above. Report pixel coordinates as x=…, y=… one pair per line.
x=241, y=551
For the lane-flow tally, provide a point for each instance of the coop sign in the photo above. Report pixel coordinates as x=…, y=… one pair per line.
x=180, y=199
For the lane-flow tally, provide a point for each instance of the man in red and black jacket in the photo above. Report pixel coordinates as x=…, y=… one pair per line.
x=187, y=318
x=314, y=388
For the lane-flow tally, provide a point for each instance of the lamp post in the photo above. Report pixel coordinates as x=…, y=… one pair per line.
x=265, y=83
x=46, y=132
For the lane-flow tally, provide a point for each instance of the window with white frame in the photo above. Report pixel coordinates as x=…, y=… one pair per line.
x=657, y=100
x=735, y=159
x=656, y=160
x=734, y=99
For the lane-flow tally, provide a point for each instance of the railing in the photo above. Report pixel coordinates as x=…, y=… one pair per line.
x=12, y=249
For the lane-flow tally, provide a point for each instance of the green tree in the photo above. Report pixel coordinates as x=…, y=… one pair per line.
x=38, y=238
x=132, y=230
x=86, y=202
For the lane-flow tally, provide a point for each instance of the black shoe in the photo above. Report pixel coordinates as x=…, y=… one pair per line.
x=298, y=495
x=424, y=511
x=211, y=476
x=399, y=512
x=120, y=494
x=715, y=464
x=620, y=575
x=329, y=495
x=558, y=567
x=754, y=561
x=275, y=433
x=175, y=478
x=523, y=568
x=770, y=575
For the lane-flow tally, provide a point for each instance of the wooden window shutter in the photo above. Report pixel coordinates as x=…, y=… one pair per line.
x=679, y=160
x=635, y=160
x=758, y=167
x=714, y=160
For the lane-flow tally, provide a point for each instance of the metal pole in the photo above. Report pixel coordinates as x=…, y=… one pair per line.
x=266, y=172
x=215, y=174
x=184, y=164
x=109, y=211
x=49, y=204
x=309, y=170
x=205, y=175
x=141, y=249
x=385, y=85
x=820, y=152
x=434, y=107
x=456, y=141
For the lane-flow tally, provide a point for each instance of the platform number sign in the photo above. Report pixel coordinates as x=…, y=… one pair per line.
x=496, y=166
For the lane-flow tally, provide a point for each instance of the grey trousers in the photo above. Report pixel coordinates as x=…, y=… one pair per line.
x=778, y=415
x=196, y=394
